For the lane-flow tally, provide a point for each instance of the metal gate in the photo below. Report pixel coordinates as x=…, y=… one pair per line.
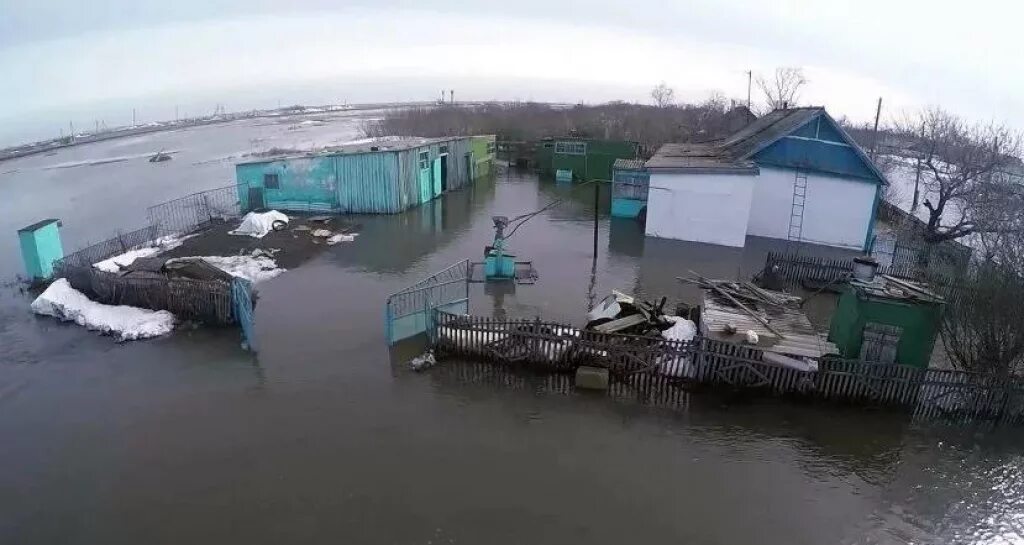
x=242, y=299
x=410, y=312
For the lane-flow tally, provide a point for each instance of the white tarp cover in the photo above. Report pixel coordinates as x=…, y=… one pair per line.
x=126, y=323
x=258, y=224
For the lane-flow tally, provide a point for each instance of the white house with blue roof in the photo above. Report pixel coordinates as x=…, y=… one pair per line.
x=792, y=174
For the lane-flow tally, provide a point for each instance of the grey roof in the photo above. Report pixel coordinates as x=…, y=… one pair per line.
x=897, y=289
x=734, y=153
x=628, y=164
x=698, y=158
x=386, y=144
x=800, y=338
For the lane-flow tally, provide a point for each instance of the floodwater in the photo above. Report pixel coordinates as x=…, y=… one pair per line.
x=325, y=438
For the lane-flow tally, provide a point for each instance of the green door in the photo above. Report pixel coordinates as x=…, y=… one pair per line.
x=436, y=170
x=426, y=185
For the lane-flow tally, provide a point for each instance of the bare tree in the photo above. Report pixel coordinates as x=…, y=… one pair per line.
x=783, y=89
x=965, y=185
x=663, y=95
x=981, y=321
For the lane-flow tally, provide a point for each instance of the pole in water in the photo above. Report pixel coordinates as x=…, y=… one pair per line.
x=597, y=200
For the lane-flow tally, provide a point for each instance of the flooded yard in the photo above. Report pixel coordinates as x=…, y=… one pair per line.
x=325, y=436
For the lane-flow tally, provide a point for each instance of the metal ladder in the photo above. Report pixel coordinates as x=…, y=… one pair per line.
x=796, y=216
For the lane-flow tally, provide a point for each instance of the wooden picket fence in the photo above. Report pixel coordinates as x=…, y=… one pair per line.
x=664, y=371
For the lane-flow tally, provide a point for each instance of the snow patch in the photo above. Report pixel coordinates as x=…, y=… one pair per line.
x=126, y=323
x=252, y=268
x=160, y=245
x=258, y=224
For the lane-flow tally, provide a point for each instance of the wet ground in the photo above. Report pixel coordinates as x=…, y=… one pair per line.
x=324, y=437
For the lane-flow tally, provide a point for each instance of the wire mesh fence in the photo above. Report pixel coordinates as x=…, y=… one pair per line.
x=197, y=210
x=118, y=244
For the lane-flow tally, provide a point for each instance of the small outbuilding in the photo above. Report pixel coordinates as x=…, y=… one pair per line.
x=792, y=174
x=887, y=320
x=629, y=188
x=379, y=177
x=586, y=158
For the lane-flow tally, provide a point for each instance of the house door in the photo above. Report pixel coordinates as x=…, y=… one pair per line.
x=426, y=184
x=444, y=173
x=256, y=199
x=469, y=168
x=437, y=176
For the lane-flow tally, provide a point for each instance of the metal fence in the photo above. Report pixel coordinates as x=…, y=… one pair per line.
x=661, y=369
x=197, y=210
x=208, y=301
x=796, y=268
x=409, y=312
x=118, y=244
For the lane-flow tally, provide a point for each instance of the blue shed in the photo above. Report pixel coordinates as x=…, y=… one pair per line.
x=383, y=177
x=630, y=181
x=40, y=248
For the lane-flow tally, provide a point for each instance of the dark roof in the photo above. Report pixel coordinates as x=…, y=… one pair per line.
x=39, y=224
x=370, y=145
x=735, y=153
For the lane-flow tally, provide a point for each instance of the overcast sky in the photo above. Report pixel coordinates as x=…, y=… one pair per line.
x=72, y=60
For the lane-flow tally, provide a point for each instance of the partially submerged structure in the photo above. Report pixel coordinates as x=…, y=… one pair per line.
x=792, y=174
x=380, y=177
x=585, y=158
x=630, y=181
x=887, y=320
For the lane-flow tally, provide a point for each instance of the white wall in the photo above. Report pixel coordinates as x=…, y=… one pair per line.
x=836, y=213
x=711, y=208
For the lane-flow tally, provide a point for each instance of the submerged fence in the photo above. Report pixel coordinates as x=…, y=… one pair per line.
x=658, y=369
x=410, y=312
x=197, y=210
x=207, y=301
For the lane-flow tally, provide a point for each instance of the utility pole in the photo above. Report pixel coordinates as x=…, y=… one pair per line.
x=451, y=93
x=175, y=112
x=133, y=117
x=874, y=139
x=597, y=206
x=750, y=81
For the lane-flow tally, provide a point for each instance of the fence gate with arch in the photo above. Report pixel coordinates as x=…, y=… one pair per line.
x=410, y=312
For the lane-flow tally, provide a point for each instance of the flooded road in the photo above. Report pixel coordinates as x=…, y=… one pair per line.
x=324, y=437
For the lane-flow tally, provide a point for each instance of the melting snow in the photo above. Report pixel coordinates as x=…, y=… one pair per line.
x=258, y=224
x=162, y=244
x=126, y=323
x=253, y=268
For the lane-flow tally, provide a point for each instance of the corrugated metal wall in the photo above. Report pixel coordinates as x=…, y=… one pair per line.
x=368, y=183
x=384, y=182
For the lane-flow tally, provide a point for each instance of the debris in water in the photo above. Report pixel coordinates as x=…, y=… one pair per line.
x=322, y=233
x=424, y=361
x=341, y=237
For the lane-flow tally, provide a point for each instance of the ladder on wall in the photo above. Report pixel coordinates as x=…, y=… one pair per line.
x=796, y=215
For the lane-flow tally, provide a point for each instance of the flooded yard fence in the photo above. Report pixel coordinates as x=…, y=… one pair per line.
x=198, y=210
x=208, y=301
x=655, y=369
x=410, y=312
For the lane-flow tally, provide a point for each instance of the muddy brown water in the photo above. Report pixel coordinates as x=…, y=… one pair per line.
x=324, y=437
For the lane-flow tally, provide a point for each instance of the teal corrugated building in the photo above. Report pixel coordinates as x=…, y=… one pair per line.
x=588, y=159
x=383, y=177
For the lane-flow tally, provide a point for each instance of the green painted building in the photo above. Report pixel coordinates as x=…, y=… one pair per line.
x=588, y=159
x=483, y=149
x=887, y=321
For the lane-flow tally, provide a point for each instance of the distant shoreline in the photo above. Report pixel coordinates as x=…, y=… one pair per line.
x=35, y=148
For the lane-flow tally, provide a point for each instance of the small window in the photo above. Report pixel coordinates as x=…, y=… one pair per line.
x=490, y=147
x=444, y=150
x=424, y=159
x=271, y=181
x=571, y=148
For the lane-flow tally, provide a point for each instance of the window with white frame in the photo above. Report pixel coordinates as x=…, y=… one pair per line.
x=490, y=147
x=571, y=148
x=424, y=159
